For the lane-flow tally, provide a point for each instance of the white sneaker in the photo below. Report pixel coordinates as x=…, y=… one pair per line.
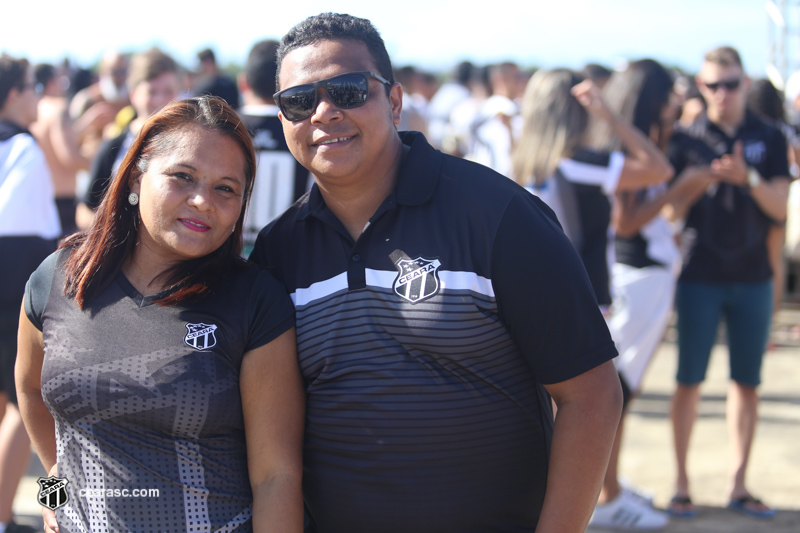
x=636, y=492
x=628, y=512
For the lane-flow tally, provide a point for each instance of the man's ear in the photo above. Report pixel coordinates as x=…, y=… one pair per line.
x=396, y=100
x=241, y=81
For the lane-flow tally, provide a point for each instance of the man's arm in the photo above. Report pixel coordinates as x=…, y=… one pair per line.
x=589, y=408
x=546, y=300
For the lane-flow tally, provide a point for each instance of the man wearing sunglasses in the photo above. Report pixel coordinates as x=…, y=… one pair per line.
x=726, y=271
x=438, y=308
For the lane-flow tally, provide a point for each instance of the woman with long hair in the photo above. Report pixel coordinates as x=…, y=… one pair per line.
x=646, y=268
x=157, y=370
x=553, y=159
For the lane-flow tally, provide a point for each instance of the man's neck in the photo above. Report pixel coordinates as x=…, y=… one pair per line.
x=729, y=124
x=355, y=204
x=8, y=116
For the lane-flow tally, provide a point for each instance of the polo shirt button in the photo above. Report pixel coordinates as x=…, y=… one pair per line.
x=356, y=258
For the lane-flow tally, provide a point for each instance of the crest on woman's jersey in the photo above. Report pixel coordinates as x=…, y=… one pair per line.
x=200, y=336
x=418, y=279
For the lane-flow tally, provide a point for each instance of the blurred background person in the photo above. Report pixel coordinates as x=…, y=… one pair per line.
x=458, y=136
x=153, y=82
x=211, y=80
x=726, y=274
x=95, y=107
x=55, y=133
x=598, y=74
x=646, y=268
x=768, y=102
x=447, y=97
x=29, y=228
x=413, y=116
x=554, y=160
x=280, y=179
x=497, y=122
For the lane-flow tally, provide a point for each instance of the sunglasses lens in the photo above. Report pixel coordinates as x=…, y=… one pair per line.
x=348, y=90
x=730, y=85
x=298, y=102
x=345, y=91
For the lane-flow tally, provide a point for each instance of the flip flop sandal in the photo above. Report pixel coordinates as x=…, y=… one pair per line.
x=745, y=505
x=681, y=507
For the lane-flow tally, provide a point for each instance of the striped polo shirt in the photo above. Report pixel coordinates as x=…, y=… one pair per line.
x=425, y=344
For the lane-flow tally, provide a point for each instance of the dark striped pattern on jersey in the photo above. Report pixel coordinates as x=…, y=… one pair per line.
x=424, y=408
x=392, y=389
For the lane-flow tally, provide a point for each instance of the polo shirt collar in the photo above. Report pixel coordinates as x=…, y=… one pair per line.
x=416, y=180
x=9, y=129
x=750, y=121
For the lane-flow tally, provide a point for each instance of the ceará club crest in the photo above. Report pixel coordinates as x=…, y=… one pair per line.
x=200, y=336
x=417, y=279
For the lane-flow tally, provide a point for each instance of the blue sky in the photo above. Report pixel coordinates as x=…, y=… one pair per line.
x=434, y=34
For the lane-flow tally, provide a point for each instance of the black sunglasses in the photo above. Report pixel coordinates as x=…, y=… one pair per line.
x=345, y=90
x=730, y=85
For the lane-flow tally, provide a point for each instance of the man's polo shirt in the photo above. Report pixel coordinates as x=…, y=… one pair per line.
x=725, y=232
x=424, y=346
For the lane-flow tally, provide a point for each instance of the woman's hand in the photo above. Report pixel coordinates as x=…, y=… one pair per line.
x=590, y=97
x=49, y=517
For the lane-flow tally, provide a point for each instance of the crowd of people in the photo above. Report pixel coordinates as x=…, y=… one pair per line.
x=336, y=296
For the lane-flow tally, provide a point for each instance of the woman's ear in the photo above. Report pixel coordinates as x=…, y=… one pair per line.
x=134, y=182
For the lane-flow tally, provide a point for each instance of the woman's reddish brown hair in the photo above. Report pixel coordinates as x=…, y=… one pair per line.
x=98, y=253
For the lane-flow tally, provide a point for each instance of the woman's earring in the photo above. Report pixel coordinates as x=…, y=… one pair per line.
x=133, y=198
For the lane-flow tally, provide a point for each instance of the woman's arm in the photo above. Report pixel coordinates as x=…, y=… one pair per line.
x=691, y=184
x=38, y=420
x=28, y=374
x=630, y=216
x=644, y=163
x=273, y=401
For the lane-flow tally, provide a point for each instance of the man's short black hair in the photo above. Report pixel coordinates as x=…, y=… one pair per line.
x=261, y=69
x=44, y=73
x=12, y=75
x=206, y=54
x=337, y=27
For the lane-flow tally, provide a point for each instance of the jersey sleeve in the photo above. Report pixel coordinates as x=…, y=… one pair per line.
x=37, y=290
x=778, y=156
x=596, y=168
x=271, y=311
x=544, y=296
